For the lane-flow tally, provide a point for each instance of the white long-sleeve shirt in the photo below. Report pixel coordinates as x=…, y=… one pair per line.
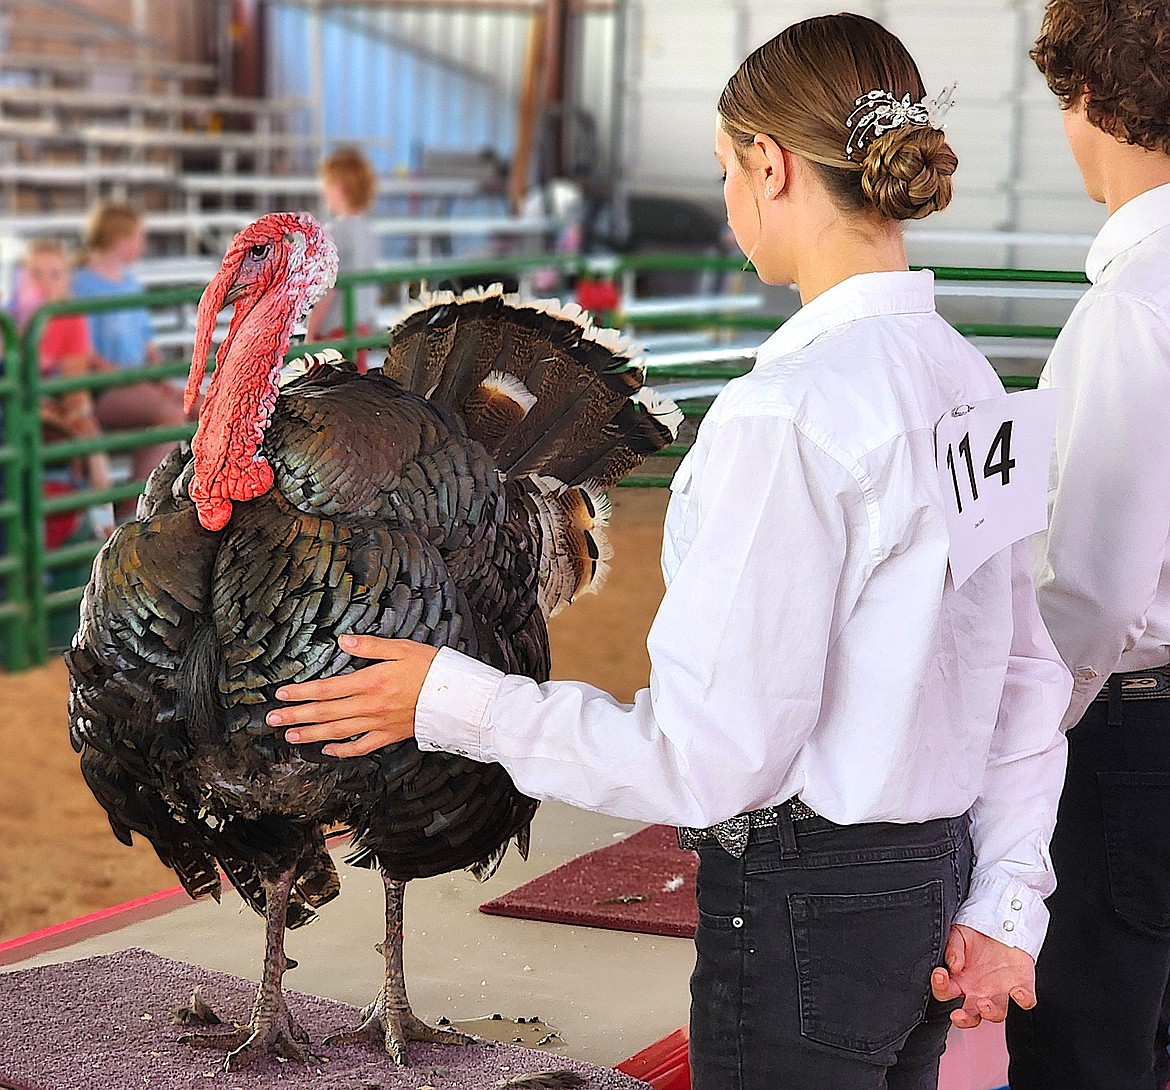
x=1103, y=568
x=810, y=641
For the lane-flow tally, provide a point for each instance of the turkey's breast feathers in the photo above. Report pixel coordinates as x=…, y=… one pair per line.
x=385, y=519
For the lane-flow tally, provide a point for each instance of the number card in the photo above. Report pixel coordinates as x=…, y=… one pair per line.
x=992, y=459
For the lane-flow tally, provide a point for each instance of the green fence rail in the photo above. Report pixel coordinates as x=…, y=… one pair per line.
x=14, y=606
x=42, y=587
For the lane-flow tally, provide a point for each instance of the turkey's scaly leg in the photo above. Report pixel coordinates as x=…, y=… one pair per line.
x=272, y=1028
x=389, y=1022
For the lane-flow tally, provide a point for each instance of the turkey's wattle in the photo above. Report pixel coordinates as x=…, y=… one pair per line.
x=274, y=272
x=452, y=498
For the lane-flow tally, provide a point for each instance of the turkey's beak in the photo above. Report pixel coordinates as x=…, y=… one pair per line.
x=233, y=293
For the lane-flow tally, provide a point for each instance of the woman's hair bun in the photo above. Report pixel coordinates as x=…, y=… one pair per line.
x=906, y=173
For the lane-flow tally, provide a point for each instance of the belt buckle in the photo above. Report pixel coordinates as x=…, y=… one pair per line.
x=732, y=835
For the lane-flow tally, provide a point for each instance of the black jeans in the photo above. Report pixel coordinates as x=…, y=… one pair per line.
x=1101, y=980
x=815, y=952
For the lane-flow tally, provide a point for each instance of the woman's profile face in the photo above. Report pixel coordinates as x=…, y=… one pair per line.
x=743, y=212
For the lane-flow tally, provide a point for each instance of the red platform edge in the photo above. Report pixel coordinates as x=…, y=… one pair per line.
x=61, y=934
x=96, y=923
x=664, y=1065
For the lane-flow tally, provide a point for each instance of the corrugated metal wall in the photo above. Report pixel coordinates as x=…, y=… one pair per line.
x=405, y=82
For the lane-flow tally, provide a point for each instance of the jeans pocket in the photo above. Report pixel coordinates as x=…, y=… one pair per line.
x=1136, y=811
x=864, y=963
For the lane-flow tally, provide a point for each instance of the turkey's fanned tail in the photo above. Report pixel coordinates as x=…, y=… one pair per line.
x=542, y=388
x=558, y=403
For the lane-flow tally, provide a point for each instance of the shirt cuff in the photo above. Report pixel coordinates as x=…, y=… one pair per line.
x=452, y=706
x=1007, y=910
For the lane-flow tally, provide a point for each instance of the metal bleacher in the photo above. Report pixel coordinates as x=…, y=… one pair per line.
x=78, y=124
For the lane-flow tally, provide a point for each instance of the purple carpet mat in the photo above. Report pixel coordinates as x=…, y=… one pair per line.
x=642, y=883
x=103, y=1023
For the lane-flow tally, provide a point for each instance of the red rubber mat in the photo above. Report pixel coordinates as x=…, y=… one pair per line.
x=104, y=1022
x=643, y=883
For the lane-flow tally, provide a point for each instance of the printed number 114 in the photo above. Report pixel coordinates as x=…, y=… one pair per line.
x=1001, y=447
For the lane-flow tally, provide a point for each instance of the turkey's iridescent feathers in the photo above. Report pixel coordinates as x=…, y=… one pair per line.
x=386, y=517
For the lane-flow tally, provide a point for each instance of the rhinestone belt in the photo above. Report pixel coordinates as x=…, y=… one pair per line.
x=1142, y=685
x=732, y=834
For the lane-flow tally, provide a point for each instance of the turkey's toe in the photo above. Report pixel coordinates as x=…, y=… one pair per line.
x=394, y=1031
x=272, y=1031
x=226, y=1040
x=261, y=1044
x=402, y=1027
x=367, y=1032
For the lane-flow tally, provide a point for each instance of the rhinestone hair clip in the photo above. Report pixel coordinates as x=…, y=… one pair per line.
x=879, y=112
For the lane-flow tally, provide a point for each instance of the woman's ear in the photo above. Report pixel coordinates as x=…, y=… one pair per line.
x=774, y=164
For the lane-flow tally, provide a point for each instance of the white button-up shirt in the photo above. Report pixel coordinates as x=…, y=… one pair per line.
x=810, y=641
x=1103, y=568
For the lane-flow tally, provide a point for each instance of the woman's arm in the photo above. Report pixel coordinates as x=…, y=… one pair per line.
x=1000, y=925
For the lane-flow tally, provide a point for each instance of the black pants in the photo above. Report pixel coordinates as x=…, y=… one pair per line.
x=1100, y=1022
x=815, y=952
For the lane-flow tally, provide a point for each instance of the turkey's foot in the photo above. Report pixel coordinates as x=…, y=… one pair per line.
x=393, y=1028
x=272, y=1031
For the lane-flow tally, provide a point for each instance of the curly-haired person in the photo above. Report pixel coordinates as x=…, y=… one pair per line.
x=1103, y=572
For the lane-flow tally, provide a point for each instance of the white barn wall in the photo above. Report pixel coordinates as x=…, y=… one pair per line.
x=1016, y=172
x=651, y=76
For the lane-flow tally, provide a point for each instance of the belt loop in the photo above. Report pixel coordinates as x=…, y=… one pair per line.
x=787, y=831
x=1114, y=700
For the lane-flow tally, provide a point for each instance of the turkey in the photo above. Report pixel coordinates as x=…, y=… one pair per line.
x=453, y=498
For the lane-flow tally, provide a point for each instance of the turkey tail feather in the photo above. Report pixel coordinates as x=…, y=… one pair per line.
x=574, y=550
x=540, y=386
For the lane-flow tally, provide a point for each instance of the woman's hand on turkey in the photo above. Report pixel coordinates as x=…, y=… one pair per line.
x=360, y=712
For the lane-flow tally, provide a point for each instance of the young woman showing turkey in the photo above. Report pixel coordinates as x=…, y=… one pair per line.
x=868, y=757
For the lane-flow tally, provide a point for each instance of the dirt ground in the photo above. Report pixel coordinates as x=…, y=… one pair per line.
x=58, y=858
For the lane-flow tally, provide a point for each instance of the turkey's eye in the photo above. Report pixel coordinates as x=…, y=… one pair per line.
x=259, y=250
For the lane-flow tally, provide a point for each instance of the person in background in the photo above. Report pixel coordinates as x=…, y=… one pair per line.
x=1103, y=572
x=869, y=756
x=348, y=189
x=64, y=350
x=113, y=242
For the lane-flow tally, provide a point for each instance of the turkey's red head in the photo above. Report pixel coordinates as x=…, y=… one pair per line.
x=274, y=272
x=285, y=259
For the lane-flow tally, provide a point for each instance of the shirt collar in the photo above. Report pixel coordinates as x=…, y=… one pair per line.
x=867, y=295
x=1132, y=223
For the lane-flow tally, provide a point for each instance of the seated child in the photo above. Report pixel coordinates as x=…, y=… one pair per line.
x=114, y=240
x=64, y=350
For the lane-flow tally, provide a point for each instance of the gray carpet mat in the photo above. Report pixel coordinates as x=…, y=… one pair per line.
x=103, y=1023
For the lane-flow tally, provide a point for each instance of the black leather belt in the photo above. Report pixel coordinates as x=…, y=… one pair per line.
x=732, y=834
x=1153, y=684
